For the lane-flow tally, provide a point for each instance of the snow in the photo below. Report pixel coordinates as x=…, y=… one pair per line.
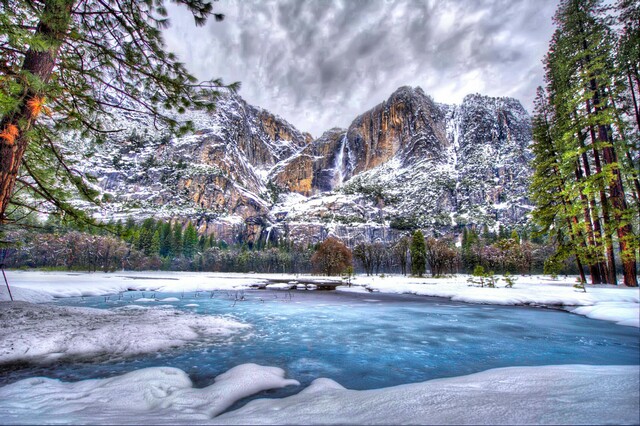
x=44, y=333
x=561, y=394
x=517, y=395
x=151, y=395
x=618, y=304
x=567, y=394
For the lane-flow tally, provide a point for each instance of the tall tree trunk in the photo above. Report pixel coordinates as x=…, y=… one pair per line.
x=617, y=196
x=635, y=101
x=635, y=190
x=597, y=266
x=574, y=235
x=606, y=217
x=39, y=63
x=624, y=229
x=592, y=86
x=594, y=269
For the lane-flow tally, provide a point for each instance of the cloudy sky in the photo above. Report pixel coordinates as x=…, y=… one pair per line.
x=320, y=63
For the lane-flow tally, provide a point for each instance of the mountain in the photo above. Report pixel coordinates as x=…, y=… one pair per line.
x=248, y=175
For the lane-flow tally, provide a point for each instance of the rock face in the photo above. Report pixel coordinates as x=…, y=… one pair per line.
x=491, y=137
x=218, y=170
x=408, y=162
x=408, y=126
x=316, y=168
x=431, y=165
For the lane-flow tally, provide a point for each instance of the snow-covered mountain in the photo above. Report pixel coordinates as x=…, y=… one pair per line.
x=246, y=174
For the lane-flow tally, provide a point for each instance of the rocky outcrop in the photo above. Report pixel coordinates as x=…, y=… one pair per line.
x=316, y=168
x=409, y=125
x=491, y=137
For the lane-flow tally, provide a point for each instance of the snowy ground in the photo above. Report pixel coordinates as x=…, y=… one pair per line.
x=618, y=304
x=541, y=395
x=568, y=394
x=45, y=333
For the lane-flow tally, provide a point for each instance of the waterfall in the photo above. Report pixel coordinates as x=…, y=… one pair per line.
x=268, y=236
x=338, y=166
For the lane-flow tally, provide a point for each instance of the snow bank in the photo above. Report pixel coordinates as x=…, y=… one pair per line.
x=44, y=333
x=571, y=394
x=151, y=395
x=618, y=304
x=620, y=312
x=567, y=394
x=73, y=284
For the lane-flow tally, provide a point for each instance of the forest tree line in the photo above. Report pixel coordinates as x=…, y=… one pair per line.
x=164, y=245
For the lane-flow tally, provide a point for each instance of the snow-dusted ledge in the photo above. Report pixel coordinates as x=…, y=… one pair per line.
x=565, y=394
x=618, y=304
x=43, y=333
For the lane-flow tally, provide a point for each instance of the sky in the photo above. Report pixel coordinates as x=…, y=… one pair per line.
x=321, y=63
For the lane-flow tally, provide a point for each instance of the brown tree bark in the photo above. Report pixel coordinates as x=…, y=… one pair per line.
x=597, y=266
x=610, y=272
x=53, y=27
x=634, y=99
x=617, y=197
x=594, y=269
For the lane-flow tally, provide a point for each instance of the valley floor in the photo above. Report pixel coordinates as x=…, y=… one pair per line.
x=30, y=331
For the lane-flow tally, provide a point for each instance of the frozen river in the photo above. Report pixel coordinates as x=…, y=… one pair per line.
x=362, y=341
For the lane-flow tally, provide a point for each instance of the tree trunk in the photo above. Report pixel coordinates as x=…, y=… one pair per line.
x=635, y=101
x=594, y=269
x=635, y=189
x=610, y=272
x=593, y=87
x=624, y=229
x=595, y=220
x=618, y=200
x=39, y=63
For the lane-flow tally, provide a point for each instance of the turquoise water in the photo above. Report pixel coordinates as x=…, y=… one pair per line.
x=364, y=341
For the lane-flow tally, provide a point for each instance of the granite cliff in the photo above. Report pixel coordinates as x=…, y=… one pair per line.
x=248, y=175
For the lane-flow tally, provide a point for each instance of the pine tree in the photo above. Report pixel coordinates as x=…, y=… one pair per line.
x=548, y=190
x=190, y=243
x=591, y=210
x=176, y=240
x=145, y=237
x=66, y=66
x=154, y=248
x=418, y=252
x=166, y=246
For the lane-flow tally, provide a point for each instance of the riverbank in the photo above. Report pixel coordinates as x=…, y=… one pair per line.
x=618, y=304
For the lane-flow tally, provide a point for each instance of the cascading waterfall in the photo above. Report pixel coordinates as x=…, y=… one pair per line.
x=268, y=240
x=338, y=166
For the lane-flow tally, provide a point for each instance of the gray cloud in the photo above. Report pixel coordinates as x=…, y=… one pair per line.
x=320, y=63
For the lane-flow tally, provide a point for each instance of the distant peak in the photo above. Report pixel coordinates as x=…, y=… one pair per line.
x=408, y=91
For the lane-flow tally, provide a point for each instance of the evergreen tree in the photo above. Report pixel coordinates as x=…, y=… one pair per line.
x=166, y=239
x=176, y=240
x=190, y=243
x=502, y=232
x=418, y=252
x=145, y=236
x=154, y=249
x=579, y=130
x=129, y=229
x=77, y=62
